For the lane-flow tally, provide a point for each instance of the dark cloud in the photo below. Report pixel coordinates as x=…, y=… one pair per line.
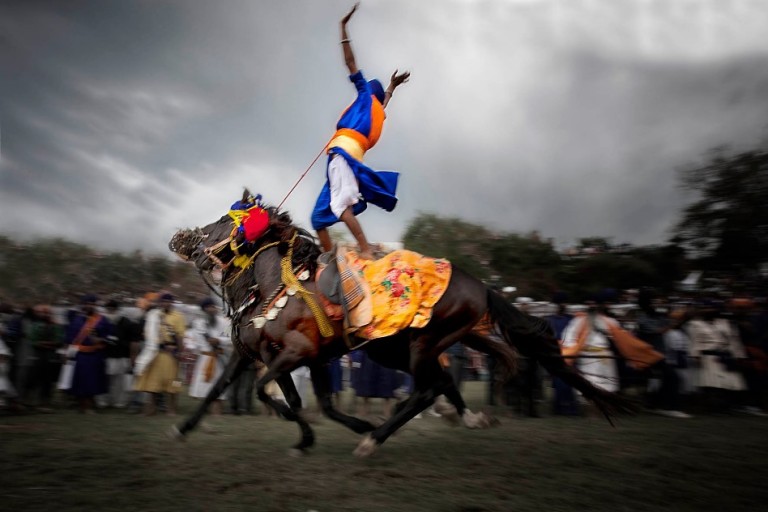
x=121, y=123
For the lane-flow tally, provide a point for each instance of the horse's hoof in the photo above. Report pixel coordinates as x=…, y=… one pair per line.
x=366, y=447
x=451, y=417
x=475, y=421
x=483, y=420
x=442, y=407
x=296, y=453
x=175, y=434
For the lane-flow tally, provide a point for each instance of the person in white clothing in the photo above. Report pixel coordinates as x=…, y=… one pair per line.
x=595, y=358
x=715, y=344
x=302, y=380
x=211, y=339
x=7, y=391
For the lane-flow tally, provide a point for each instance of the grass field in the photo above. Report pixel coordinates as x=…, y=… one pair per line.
x=114, y=461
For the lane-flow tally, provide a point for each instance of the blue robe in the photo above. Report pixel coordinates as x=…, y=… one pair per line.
x=376, y=187
x=90, y=375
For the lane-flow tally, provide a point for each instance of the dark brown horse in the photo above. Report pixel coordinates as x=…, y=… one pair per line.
x=292, y=337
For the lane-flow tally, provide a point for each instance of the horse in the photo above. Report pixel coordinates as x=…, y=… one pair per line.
x=295, y=335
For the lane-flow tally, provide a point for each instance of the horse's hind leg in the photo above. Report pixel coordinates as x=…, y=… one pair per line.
x=234, y=368
x=426, y=372
x=321, y=381
x=445, y=386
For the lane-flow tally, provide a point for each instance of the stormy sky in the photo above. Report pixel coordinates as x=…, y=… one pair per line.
x=122, y=121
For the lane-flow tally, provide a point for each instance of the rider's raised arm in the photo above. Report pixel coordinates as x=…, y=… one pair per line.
x=393, y=83
x=346, y=43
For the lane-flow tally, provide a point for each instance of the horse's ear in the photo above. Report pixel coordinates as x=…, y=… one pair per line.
x=246, y=194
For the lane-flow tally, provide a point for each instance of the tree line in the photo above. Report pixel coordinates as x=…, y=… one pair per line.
x=54, y=270
x=723, y=231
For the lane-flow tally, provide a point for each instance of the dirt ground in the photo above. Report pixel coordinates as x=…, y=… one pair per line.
x=115, y=461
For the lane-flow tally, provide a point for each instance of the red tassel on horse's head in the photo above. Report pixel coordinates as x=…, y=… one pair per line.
x=255, y=224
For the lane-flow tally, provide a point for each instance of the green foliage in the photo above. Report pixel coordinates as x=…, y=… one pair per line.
x=728, y=223
x=535, y=268
x=464, y=244
x=589, y=275
x=54, y=270
x=594, y=242
x=526, y=262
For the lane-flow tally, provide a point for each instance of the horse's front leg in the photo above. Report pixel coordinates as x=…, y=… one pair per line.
x=234, y=368
x=291, y=394
x=321, y=381
x=281, y=366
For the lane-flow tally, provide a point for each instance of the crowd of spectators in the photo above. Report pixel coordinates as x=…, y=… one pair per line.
x=702, y=356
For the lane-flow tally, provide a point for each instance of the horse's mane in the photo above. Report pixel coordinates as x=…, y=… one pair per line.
x=282, y=230
x=305, y=248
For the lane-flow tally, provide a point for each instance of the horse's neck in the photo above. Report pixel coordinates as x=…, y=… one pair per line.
x=266, y=270
x=264, y=275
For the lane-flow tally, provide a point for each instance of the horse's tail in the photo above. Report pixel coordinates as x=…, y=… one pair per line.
x=534, y=338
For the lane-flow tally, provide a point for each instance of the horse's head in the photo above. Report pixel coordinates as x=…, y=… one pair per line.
x=197, y=244
x=219, y=243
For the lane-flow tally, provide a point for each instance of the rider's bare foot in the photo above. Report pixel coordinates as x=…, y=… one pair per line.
x=366, y=255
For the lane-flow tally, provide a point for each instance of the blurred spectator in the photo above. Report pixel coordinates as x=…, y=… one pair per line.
x=86, y=335
x=751, y=330
x=24, y=355
x=303, y=382
x=663, y=393
x=677, y=347
x=145, y=304
x=12, y=334
x=210, y=339
x=371, y=380
x=47, y=338
x=157, y=367
x=715, y=347
x=523, y=389
x=241, y=391
x=337, y=381
x=564, y=402
x=585, y=341
x=457, y=361
x=7, y=391
x=589, y=339
x=118, y=352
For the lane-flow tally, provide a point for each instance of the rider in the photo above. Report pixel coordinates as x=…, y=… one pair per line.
x=350, y=184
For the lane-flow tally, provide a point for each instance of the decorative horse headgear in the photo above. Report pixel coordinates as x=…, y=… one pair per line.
x=250, y=217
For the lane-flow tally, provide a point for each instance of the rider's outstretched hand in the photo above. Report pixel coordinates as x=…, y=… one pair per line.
x=346, y=18
x=399, y=79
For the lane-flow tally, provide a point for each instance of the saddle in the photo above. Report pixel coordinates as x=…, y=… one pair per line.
x=344, y=292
